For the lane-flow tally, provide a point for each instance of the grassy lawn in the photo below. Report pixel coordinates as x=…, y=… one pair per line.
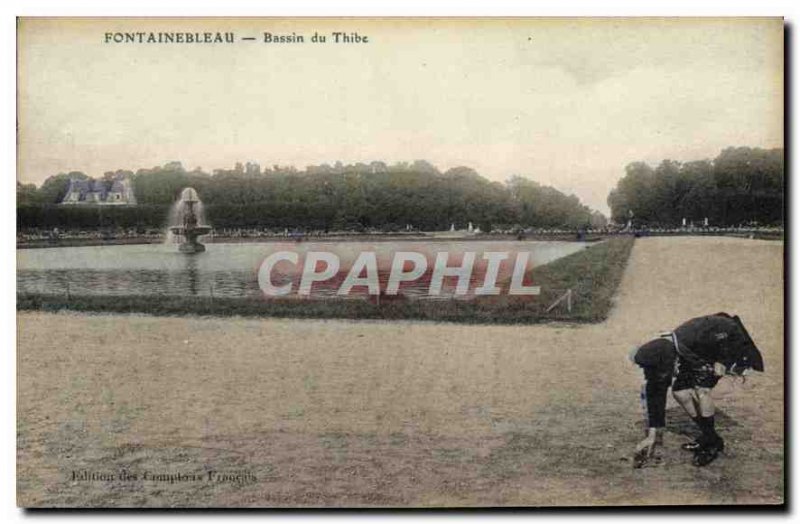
x=592, y=275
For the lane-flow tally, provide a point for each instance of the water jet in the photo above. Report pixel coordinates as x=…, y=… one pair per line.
x=186, y=222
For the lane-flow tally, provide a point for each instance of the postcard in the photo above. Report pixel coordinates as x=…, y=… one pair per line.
x=400, y=262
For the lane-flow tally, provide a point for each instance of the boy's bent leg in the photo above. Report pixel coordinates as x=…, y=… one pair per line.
x=705, y=403
x=705, y=419
x=689, y=401
x=710, y=443
x=683, y=390
x=692, y=390
x=686, y=399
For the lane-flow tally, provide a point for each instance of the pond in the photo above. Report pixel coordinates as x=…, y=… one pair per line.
x=225, y=269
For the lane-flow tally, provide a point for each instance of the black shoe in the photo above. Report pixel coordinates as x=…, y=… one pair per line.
x=704, y=456
x=694, y=445
x=691, y=446
x=718, y=445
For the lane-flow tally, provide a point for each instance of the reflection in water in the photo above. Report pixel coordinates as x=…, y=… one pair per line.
x=192, y=274
x=191, y=281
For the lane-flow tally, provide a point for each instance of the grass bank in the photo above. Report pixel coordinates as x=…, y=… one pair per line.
x=592, y=277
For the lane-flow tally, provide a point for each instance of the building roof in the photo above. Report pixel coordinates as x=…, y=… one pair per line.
x=78, y=185
x=99, y=186
x=97, y=190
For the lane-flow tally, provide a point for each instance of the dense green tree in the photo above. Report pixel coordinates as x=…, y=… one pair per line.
x=349, y=197
x=545, y=206
x=27, y=194
x=740, y=186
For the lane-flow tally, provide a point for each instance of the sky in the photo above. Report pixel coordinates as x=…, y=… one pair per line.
x=565, y=102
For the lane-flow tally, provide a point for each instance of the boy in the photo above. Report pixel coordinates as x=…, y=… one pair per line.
x=696, y=354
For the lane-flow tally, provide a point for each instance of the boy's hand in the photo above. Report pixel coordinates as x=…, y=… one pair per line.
x=644, y=449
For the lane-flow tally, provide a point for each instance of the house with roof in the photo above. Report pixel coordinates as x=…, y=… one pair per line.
x=118, y=191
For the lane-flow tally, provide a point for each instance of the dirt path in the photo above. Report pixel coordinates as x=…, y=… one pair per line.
x=330, y=413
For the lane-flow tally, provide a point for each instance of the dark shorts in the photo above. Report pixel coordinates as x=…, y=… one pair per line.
x=694, y=377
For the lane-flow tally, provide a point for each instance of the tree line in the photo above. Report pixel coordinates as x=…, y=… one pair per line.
x=741, y=186
x=357, y=197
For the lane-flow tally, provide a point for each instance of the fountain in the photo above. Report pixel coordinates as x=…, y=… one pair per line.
x=186, y=222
